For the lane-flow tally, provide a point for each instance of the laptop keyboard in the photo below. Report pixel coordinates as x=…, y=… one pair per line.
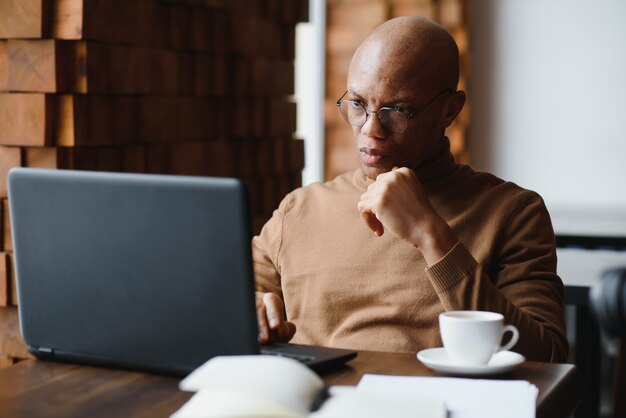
x=298, y=357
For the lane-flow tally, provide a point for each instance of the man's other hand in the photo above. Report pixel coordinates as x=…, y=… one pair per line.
x=272, y=324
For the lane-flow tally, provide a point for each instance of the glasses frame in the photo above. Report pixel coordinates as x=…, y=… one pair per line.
x=369, y=111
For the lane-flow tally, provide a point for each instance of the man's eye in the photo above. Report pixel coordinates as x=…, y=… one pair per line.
x=356, y=103
x=400, y=110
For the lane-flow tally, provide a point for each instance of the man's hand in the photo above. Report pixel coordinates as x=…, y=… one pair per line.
x=272, y=324
x=396, y=202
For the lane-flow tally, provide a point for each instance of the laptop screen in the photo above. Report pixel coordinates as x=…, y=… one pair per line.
x=144, y=271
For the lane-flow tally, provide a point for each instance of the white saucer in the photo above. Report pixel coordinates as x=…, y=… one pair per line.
x=437, y=359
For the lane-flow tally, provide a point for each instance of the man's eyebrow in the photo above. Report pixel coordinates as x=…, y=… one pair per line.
x=406, y=101
x=353, y=93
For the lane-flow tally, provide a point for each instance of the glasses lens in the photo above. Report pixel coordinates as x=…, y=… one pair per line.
x=352, y=112
x=392, y=119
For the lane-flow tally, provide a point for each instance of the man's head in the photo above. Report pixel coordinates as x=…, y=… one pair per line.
x=410, y=64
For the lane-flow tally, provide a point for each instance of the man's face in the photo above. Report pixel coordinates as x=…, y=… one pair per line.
x=377, y=82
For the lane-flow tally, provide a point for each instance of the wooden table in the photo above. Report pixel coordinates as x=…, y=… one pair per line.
x=35, y=388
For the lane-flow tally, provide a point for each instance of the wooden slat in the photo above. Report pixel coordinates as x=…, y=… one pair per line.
x=158, y=119
x=33, y=65
x=72, y=120
x=158, y=158
x=188, y=158
x=282, y=117
x=67, y=19
x=9, y=157
x=4, y=66
x=11, y=342
x=270, y=194
x=48, y=66
x=297, y=155
x=111, y=158
x=246, y=151
x=7, y=241
x=166, y=24
x=134, y=159
x=10, y=266
x=125, y=116
x=103, y=20
x=23, y=18
x=220, y=158
x=26, y=119
x=103, y=120
x=51, y=66
x=281, y=151
x=5, y=280
x=264, y=158
x=41, y=157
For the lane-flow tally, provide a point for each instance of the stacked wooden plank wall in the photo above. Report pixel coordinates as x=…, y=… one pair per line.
x=349, y=22
x=194, y=87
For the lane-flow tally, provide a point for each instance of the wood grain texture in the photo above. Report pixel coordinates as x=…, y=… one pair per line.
x=4, y=66
x=134, y=159
x=6, y=361
x=5, y=281
x=32, y=388
x=26, y=119
x=33, y=65
x=23, y=18
x=7, y=241
x=68, y=120
x=67, y=19
x=13, y=300
x=11, y=342
x=52, y=66
x=71, y=127
x=297, y=155
x=41, y=157
x=9, y=157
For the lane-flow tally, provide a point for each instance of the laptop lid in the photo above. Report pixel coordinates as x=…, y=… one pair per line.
x=149, y=272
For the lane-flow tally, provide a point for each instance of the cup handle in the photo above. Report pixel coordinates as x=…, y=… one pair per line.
x=513, y=340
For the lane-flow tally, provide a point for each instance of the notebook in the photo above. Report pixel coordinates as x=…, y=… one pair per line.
x=137, y=271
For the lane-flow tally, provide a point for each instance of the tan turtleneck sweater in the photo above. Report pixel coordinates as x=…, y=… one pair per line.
x=345, y=287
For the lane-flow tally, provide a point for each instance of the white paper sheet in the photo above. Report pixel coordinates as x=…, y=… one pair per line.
x=464, y=398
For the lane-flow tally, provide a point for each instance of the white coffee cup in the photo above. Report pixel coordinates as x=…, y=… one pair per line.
x=471, y=338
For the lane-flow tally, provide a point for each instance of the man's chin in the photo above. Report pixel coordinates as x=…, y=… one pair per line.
x=373, y=171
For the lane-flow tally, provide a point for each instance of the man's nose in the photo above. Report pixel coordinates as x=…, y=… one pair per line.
x=372, y=127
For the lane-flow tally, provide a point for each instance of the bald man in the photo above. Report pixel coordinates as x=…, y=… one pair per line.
x=370, y=259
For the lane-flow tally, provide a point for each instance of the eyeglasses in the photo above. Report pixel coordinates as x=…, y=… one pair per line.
x=393, y=119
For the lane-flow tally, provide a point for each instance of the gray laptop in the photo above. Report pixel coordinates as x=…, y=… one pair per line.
x=147, y=272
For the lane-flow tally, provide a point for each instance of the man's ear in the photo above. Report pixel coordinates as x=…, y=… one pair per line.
x=453, y=107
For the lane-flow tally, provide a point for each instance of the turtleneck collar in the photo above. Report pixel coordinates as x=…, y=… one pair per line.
x=440, y=165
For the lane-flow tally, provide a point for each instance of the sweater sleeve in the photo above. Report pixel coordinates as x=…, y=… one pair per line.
x=522, y=284
x=265, y=252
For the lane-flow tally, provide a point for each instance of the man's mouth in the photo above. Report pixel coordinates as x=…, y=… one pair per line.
x=371, y=157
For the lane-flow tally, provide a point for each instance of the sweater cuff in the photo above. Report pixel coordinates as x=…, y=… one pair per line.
x=457, y=264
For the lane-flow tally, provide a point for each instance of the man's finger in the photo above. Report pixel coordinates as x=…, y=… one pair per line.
x=286, y=331
x=373, y=223
x=369, y=217
x=274, y=309
x=264, y=332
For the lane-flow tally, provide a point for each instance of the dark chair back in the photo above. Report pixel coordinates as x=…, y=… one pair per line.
x=608, y=302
